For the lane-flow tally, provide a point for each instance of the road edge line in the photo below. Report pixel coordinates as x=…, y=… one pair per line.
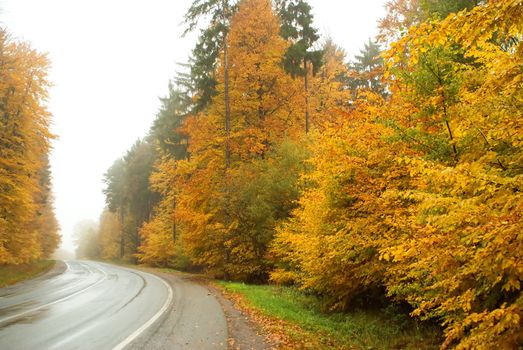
x=153, y=319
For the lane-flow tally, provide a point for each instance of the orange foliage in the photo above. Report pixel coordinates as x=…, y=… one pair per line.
x=28, y=228
x=263, y=113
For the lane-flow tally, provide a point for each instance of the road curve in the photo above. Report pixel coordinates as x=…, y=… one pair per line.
x=94, y=305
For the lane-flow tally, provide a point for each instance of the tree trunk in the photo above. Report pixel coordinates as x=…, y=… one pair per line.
x=174, y=219
x=227, y=128
x=226, y=92
x=122, y=235
x=306, y=83
x=451, y=136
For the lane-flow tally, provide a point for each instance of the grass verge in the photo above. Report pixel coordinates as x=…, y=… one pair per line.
x=294, y=321
x=11, y=274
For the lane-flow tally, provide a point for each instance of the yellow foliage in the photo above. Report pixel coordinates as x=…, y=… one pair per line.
x=157, y=235
x=422, y=193
x=109, y=235
x=24, y=144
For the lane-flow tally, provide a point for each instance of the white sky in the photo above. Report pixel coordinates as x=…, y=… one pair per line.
x=111, y=60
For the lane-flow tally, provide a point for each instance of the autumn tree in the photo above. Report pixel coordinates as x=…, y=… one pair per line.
x=263, y=103
x=45, y=222
x=28, y=229
x=108, y=236
x=160, y=244
x=460, y=261
x=328, y=88
x=85, y=235
x=403, y=14
x=330, y=245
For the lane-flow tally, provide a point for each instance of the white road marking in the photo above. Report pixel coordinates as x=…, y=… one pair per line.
x=70, y=286
x=153, y=319
x=9, y=318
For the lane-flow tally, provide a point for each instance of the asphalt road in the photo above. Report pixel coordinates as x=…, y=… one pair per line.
x=99, y=306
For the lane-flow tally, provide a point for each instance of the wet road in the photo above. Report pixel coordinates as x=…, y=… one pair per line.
x=100, y=306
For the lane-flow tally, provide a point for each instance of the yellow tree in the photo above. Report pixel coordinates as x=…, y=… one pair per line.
x=461, y=260
x=158, y=234
x=331, y=243
x=24, y=144
x=108, y=237
x=328, y=93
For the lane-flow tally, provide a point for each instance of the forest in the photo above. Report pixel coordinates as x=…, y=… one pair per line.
x=275, y=158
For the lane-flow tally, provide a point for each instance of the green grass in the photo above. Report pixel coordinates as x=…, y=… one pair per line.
x=385, y=328
x=10, y=274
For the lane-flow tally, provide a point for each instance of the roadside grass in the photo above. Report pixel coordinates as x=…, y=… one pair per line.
x=11, y=274
x=298, y=316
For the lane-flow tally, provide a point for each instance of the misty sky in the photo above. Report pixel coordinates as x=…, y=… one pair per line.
x=111, y=60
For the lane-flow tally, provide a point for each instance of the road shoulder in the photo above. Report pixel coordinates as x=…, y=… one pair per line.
x=243, y=332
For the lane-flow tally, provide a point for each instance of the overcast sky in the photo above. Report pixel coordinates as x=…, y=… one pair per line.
x=111, y=60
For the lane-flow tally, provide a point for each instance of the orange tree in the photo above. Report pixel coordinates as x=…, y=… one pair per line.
x=264, y=101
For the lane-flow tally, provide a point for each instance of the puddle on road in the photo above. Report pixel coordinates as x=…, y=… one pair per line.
x=26, y=319
x=6, y=311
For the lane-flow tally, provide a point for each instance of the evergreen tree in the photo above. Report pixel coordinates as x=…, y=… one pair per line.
x=296, y=26
x=115, y=195
x=212, y=40
x=167, y=129
x=367, y=69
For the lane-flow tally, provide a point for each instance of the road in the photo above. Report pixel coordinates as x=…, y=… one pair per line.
x=99, y=306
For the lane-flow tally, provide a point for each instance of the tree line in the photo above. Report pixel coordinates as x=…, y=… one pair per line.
x=28, y=227
x=273, y=159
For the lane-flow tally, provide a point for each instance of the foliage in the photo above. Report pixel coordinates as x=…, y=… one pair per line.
x=461, y=261
x=408, y=185
x=421, y=193
x=331, y=244
x=159, y=233
x=217, y=230
x=28, y=228
x=328, y=88
x=85, y=235
x=403, y=14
